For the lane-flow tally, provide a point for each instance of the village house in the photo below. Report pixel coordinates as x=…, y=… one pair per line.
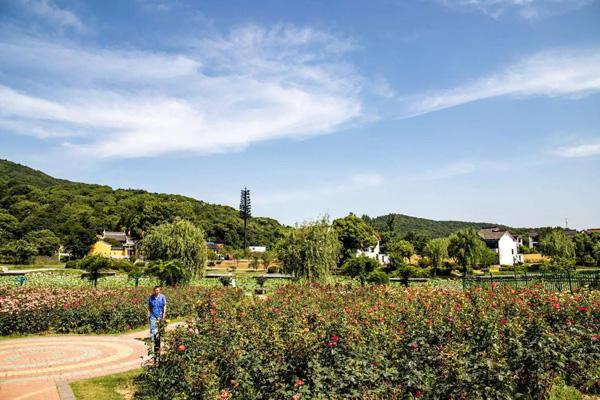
x=257, y=249
x=114, y=245
x=216, y=247
x=374, y=252
x=534, y=240
x=503, y=243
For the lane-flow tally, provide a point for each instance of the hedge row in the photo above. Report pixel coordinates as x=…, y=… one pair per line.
x=62, y=310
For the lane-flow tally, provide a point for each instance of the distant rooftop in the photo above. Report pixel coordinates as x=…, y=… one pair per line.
x=492, y=234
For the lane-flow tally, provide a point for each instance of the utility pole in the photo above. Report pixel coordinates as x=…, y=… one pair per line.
x=245, y=212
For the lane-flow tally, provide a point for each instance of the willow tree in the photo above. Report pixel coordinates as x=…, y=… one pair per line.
x=466, y=247
x=437, y=251
x=180, y=240
x=309, y=251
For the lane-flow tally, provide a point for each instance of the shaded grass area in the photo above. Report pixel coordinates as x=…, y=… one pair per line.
x=110, y=387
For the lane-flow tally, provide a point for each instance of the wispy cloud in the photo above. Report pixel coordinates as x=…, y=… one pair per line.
x=222, y=94
x=567, y=73
x=579, y=151
x=49, y=11
x=527, y=9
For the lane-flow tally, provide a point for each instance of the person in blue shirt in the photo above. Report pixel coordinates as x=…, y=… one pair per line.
x=157, y=309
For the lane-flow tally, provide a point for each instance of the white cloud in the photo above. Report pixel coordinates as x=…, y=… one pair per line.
x=580, y=151
x=527, y=9
x=49, y=11
x=567, y=73
x=222, y=94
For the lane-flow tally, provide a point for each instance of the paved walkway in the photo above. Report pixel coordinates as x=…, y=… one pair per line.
x=32, y=368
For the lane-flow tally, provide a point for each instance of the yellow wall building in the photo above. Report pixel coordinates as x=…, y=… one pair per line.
x=105, y=249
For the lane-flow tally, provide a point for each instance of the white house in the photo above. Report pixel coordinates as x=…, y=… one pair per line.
x=374, y=252
x=503, y=243
x=257, y=249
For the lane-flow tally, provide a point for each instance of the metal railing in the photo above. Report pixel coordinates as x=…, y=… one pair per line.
x=556, y=281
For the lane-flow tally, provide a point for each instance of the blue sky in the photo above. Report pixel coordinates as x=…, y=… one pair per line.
x=480, y=110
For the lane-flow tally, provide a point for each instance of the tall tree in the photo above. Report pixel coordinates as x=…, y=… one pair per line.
x=45, y=241
x=354, y=234
x=437, y=251
x=245, y=212
x=466, y=247
x=180, y=240
x=419, y=240
x=560, y=247
x=584, y=248
x=309, y=251
x=401, y=248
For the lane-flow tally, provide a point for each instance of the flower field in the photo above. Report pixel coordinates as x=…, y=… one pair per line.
x=66, y=310
x=381, y=342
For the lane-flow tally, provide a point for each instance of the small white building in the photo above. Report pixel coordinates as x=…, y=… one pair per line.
x=503, y=243
x=257, y=249
x=374, y=252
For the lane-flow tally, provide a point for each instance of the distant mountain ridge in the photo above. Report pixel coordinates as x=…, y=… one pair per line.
x=403, y=224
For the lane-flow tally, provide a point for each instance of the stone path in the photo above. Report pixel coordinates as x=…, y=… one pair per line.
x=36, y=368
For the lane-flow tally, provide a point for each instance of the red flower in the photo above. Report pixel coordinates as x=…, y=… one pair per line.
x=181, y=348
x=583, y=309
x=504, y=321
x=224, y=395
x=298, y=382
x=414, y=346
x=334, y=338
x=418, y=394
x=556, y=306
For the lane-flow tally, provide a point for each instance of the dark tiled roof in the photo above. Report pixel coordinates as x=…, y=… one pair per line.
x=120, y=236
x=492, y=234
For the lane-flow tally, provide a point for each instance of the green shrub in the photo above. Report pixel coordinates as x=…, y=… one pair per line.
x=169, y=272
x=378, y=277
x=560, y=391
x=72, y=264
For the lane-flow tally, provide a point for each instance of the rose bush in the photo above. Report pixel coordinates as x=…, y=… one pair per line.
x=65, y=310
x=381, y=342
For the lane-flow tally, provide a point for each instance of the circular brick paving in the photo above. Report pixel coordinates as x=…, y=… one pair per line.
x=30, y=368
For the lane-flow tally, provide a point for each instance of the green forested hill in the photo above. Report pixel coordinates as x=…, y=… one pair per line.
x=31, y=201
x=42, y=209
x=17, y=173
x=401, y=225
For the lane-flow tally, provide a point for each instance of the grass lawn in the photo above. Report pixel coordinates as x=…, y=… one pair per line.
x=110, y=387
